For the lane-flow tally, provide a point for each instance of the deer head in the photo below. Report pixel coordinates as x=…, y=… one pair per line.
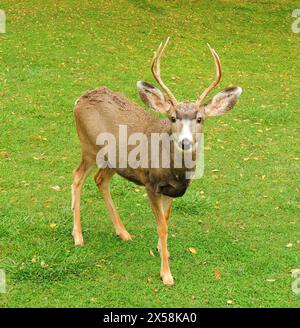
x=187, y=117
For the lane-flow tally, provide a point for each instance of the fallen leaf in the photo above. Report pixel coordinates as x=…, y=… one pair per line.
x=217, y=274
x=193, y=250
x=43, y=264
x=4, y=154
x=56, y=188
x=52, y=225
x=289, y=245
x=229, y=302
x=271, y=280
x=151, y=252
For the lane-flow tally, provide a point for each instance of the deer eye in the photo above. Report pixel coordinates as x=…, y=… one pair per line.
x=199, y=119
x=173, y=119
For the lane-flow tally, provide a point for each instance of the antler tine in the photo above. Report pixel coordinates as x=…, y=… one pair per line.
x=155, y=69
x=218, y=76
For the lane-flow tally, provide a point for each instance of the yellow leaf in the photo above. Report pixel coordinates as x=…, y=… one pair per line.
x=217, y=274
x=56, y=188
x=4, y=154
x=43, y=264
x=52, y=225
x=193, y=250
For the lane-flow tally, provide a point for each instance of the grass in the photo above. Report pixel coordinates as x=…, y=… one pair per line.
x=239, y=218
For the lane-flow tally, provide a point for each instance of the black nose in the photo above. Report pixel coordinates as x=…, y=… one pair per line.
x=185, y=144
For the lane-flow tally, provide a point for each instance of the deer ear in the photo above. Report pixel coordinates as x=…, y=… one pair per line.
x=222, y=102
x=153, y=97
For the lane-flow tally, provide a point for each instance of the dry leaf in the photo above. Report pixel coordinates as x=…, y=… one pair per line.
x=56, y=188
x=229, y=302
x=193, y=250
x=270, y=280
x=52, y=225
x=151, y=252
x=4, y=154
x=43, y=264
x=289, y=245
x=217, y=274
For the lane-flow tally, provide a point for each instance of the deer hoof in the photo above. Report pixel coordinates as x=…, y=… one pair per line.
x=124, y=235
x=78, y=239
x=167, y=279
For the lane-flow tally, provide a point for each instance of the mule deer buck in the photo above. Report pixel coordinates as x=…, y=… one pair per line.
x=103, y=111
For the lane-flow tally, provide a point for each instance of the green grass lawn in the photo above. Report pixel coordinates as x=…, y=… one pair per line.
x=240, y=216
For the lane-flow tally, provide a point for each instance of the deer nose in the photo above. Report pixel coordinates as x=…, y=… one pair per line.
x=185, y=144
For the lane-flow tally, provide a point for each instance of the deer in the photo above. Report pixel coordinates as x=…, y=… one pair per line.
x=102, y=110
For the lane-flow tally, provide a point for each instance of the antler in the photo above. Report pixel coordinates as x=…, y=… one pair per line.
x=155, y=69
x=217, y=79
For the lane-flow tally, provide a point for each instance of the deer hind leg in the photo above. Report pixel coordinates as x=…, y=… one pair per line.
x=167, y=205
x=156, y=204
x=79, y=176
x=102, y=179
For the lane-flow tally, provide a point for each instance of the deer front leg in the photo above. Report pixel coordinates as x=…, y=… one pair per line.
x=167, y=205
x=156, y=204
